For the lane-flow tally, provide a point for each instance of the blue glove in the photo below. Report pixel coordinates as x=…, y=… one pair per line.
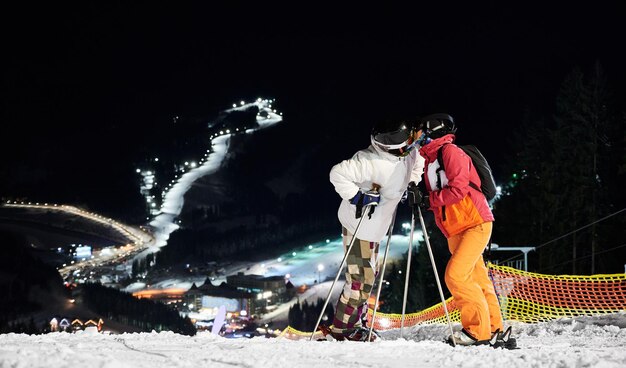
x=370, y=199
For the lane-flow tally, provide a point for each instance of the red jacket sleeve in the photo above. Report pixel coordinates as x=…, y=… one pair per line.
x=457, y=168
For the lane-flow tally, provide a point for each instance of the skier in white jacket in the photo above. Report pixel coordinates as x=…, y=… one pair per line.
x=371, y=184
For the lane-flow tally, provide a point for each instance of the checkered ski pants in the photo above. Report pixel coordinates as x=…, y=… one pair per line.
x=362, y=271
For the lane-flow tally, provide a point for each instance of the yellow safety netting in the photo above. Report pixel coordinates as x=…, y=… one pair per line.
x=525, y=297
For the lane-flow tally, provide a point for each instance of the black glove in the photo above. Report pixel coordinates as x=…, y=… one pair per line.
x=416, y=197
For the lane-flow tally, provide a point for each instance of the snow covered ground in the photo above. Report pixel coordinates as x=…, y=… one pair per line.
x=582, y=342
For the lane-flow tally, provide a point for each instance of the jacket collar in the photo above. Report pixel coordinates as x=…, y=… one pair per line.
x=429, y=151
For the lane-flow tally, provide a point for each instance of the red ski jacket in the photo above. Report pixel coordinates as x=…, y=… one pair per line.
x=456, y=205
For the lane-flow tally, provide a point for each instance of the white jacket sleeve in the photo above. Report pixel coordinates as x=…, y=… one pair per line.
x=418, y=169
x=347, y=175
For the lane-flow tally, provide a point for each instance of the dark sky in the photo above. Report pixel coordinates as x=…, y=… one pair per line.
x=84, y=84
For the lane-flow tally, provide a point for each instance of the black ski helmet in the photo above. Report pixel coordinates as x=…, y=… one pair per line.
x=393, y=136
x=437, y=125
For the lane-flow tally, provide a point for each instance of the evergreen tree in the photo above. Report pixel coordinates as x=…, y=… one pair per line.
x=295, y=316
x=303, y=316
x=564, y=179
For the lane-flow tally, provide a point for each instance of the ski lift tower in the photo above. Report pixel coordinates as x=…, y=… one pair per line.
x=525, y=250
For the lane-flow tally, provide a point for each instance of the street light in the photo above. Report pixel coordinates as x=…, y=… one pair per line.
x=320, y=268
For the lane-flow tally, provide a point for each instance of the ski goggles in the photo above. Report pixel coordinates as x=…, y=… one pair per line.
x=423, y=139
x=396, y=143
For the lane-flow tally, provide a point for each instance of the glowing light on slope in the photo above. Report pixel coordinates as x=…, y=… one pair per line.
x=173, y=201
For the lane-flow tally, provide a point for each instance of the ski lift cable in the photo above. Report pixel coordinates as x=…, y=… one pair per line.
x=571, y=232
x=587, y=256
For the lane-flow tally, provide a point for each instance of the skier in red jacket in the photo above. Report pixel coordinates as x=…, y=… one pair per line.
x=464, y=217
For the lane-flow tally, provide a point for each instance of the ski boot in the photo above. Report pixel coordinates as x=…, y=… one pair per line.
x=464, y=338
x=357, y=334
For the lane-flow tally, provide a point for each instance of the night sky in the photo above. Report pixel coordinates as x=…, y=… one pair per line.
x=85, y=85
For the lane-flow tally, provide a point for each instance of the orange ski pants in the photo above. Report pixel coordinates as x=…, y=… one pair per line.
x=468, y=281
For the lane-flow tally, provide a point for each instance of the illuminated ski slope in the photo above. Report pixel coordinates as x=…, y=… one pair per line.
x=165, y=221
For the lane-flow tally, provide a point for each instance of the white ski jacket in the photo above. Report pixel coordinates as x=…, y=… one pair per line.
x=368, y=167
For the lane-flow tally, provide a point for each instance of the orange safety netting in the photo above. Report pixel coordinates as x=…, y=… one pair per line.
x=525, y=297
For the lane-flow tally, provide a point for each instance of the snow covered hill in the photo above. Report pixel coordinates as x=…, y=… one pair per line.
x=581, y=342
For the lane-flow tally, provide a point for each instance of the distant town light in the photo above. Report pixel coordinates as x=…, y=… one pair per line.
x=310, y=247
x=327, y=241
x=156, y=159
x=279, y=259
x=234, y=105
x=293, y=254
x=242, y=103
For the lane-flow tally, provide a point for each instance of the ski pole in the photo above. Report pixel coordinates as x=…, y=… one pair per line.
x=343, y=262
x=432, y=260
x=408, y=271
x=382, y=274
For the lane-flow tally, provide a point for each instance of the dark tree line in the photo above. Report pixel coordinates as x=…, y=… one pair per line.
x=21, y=276
x=568, y=173
x=26, y=327
x=144, y=314
x=303, y=316
x=205, y=245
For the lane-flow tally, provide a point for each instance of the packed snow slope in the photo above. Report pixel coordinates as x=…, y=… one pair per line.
x=582, y=342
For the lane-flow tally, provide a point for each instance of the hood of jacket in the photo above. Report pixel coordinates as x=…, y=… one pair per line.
x=429, y=151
